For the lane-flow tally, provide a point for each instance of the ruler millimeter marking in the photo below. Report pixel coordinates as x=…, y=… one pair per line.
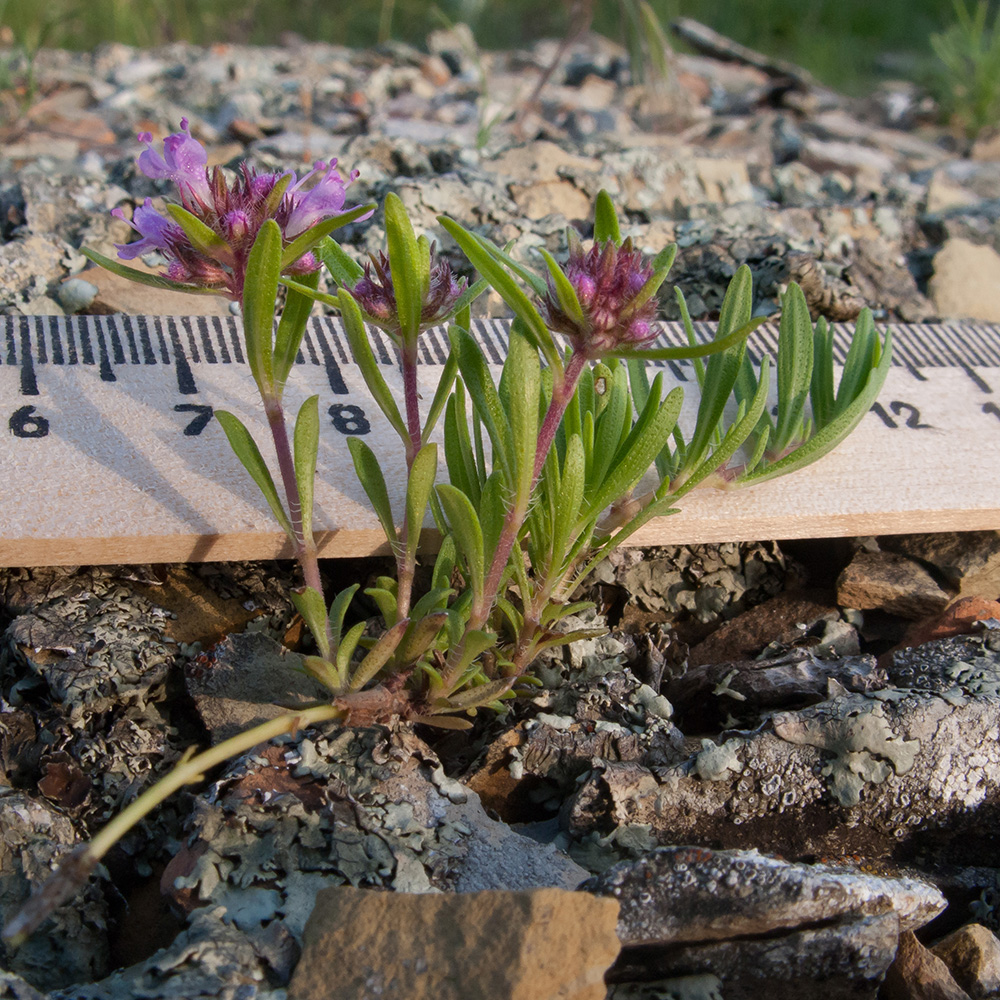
x=112, y=454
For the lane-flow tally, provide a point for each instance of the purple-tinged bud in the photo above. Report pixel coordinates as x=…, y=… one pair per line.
x=237, y=226
x=183, y=161
x=607, y=280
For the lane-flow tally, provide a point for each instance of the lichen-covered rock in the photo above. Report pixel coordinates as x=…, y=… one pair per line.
x=675, y=895
x=72, y=945
x=900, y=773
x=358, y=807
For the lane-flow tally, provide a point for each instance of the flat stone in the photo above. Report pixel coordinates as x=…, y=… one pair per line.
x=972, y=954
x=890, y=582
x=966, y=281
x=541, y=944
x=918, y=974
x=678, y=895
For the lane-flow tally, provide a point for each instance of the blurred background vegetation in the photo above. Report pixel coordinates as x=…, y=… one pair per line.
x=848, y=44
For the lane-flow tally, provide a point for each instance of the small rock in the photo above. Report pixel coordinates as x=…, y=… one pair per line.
x=541, y=944
x=968, y=560
x=972, y=954
x=966, y=282
x=918, y=974
x=958, y=618
x=892, y=583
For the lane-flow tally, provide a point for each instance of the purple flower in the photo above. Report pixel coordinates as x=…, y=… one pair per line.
x=324, y=199
x=377, y=297
x=183, y=161
x=607, y=280
x=233, y=208
x=157, y=232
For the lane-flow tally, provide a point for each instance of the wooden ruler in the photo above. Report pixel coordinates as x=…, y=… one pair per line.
x=111, y=453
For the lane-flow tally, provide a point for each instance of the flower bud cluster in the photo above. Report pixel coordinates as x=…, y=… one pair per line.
x=607, y=280
x=377, y=297
x=234, y=209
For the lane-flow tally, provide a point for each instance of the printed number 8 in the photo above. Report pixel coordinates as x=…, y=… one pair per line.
x=349, y=419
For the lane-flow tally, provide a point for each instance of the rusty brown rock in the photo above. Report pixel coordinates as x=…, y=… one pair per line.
x=918, y=974
x=972, y=954
x=542, y=944
x=891, y=583
x=968, y=560
x=959, y=618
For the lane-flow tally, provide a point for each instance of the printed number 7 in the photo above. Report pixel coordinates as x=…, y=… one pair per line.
x=199, y=423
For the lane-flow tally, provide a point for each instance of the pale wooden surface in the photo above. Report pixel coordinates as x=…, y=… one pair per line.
x=116, y=481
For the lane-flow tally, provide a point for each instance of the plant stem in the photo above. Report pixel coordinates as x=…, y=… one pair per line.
x=408, y=364
x=305, y=548
x=71, y=875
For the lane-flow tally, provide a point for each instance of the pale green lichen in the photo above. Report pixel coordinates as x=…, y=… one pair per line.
x=864, y=746
x=718, y=763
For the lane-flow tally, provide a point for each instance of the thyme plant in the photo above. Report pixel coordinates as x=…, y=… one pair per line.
x=548, y=468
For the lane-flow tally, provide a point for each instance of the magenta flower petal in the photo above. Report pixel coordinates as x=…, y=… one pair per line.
x=324, y=199
x=183, y=161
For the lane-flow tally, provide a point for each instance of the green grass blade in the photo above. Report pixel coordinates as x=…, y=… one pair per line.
x=795, y=364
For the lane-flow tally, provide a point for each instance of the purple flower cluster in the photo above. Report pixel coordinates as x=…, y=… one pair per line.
x=377, y=297
x=233, y=210
x=607, y=280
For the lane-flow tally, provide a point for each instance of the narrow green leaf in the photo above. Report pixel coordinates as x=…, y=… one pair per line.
x=364, y=358
x=606, y=220
x=485, y=399
x=418, y=494
x=420, y=635
x=444, y=565
x=372, y=481
x=861, y=358
x=475, y=697
x=378, y=655
x=144, y=277
x=441, y=393
x=309, y=603
x=343, y=268
x=570, y=500
x=291, y=327
x=385, y=601
x=249, y=454
x=259, y=293
x=821, y=390
x=306, y=448
x=522, y=374
x=463, y=522
x=828, y=437
x=493, y=509
x=312, y=237
x=338, y=609
x=795, y=363
x=203, y=239
x=508, y=289
x=348, y=645
x=565, y=292
x=405, y=263
x=277, y=193
x=714, y=347
x=610, y=427
x=458, y=455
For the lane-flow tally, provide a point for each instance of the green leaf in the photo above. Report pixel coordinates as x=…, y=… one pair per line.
x=203, y=239
x=494, y=272
x=821, y=390
x=565, y=292
x=378, y=655
x=312, y=237
x=606, y=220
x=291, y=327
x=479, y=383
x=259, y=293
x=338, y=609
x=348, y=645
x=277, y=193
x=372, y=481
x=862, y=356
x=418, y=494
x=570, y=500
x=309, y=603
x=144, y=277
x=795, y=363
x=364, y=358
x=610, y=426
x=343, y=268
x=249, y=454
x=420, y=635
x=444, y=565
x=463, y=523
x=493, y=509
x=637, y=454
x=406, y=264
x=306, y=448
x=458, y=456
x=828, y=437
x=734, y=339
x=522, y=378
x=385, y=601
x=475, y=697
x=445, y=381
